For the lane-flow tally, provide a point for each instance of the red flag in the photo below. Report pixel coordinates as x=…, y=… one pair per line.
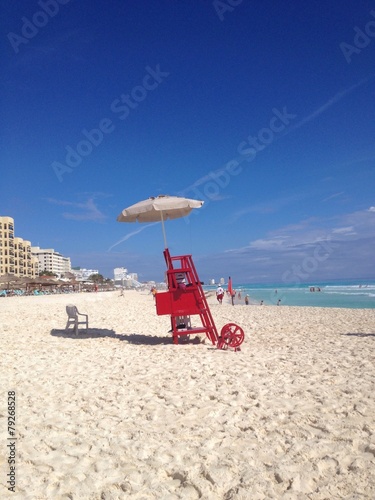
x=230, y=288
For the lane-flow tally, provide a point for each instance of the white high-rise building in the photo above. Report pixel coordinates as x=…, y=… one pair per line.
x=120, y=275
x=84, y=274
x=51, y=261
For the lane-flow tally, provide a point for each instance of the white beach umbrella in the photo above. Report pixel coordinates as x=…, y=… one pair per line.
x=159, y=208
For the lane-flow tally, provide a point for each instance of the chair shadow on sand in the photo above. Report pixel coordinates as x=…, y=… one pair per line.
x=359, y=334
x=131, y=338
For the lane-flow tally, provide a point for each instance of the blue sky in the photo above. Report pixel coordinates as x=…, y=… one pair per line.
x=264, y=110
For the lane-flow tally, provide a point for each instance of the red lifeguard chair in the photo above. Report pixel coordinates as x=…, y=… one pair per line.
x=185, y=297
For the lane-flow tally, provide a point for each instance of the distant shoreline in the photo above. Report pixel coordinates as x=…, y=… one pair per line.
x=341, y=294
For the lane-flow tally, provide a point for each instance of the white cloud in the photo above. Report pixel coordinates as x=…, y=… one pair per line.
x=344, y=230
x=336, y=98
x=335, y=195
x=270, y=206
x=309, y=233
x=88, y=210
x=271, y=244
x=330, y=248
x=130, y=235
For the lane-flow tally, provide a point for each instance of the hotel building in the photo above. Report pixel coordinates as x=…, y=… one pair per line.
x=120, y=275
x=15, y=252
x=83, y=274
x=51, y=261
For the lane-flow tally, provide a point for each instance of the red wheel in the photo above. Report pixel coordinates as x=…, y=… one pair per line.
x=232, y=335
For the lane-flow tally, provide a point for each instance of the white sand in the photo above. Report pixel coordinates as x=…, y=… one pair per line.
x=123, y=413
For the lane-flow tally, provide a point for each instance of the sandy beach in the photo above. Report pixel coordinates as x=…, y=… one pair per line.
x=120, y=412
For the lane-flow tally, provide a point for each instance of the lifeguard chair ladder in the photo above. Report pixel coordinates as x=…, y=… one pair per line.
x=185, y=298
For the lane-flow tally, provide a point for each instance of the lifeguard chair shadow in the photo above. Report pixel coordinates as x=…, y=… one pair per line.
x=185, y=298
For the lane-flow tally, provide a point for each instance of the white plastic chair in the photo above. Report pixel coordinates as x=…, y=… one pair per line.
x=73, y=318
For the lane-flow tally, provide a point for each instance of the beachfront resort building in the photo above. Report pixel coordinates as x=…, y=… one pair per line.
x=51, y=261
x=120, y=274
x=213, y=281
x=83, y=274
x=15, y=252
x=125, y=279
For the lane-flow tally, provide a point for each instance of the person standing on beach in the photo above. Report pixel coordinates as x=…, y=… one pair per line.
x=154, y=292
x=219, y=294
x=247, y=300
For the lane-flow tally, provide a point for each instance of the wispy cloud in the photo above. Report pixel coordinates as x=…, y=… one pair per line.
x=269, y=206
x=333, y=100
x=88, y=210
x=130, y=235
x=352, y=226
x=37, y=51
x=344, y=230
x=331, y=247
x=335, y=195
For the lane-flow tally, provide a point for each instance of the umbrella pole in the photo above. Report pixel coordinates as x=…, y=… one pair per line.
x=162, y=225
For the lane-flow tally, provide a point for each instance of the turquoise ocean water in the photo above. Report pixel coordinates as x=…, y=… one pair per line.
x=356, y=294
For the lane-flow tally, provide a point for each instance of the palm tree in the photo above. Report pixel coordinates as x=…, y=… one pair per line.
x=96, y=278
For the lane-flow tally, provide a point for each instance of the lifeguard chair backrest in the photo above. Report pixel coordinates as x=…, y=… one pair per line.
x=180, y=277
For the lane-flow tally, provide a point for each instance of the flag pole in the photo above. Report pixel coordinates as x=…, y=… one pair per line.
x=162, y=225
